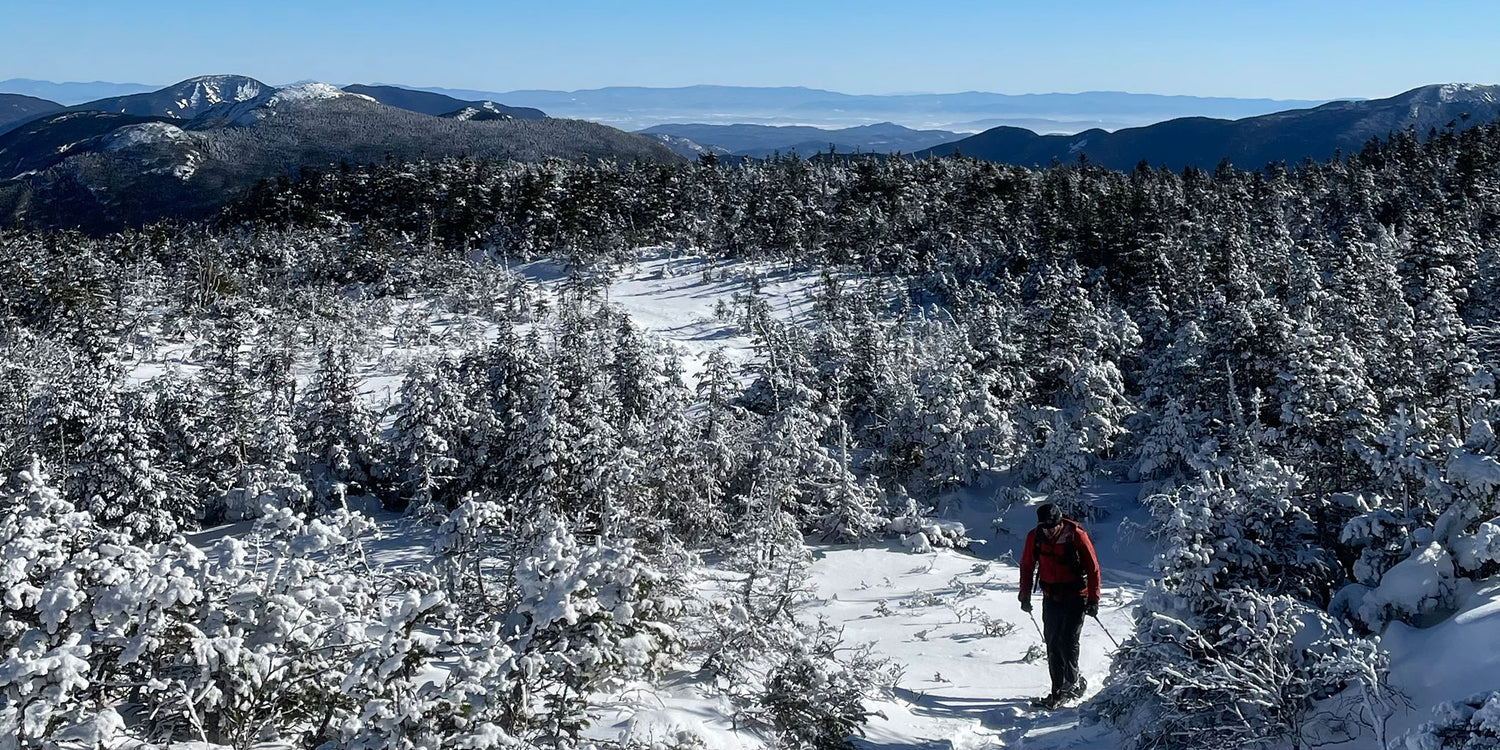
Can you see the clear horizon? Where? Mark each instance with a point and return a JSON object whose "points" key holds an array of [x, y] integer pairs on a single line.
{"points": [[1273, 50]]}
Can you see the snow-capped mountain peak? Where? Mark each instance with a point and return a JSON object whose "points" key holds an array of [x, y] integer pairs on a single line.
{"points": [[206, 91], [311, 91], [250, 111]]}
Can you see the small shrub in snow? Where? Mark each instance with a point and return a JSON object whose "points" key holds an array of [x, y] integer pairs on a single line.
{"points": [[919, 599], [991, 627], [1245, 671], [921, 534], [593, 616], [964, 589], [814, 700]]}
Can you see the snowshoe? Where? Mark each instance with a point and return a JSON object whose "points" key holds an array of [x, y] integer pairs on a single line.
{"points": [[1049, 703]]}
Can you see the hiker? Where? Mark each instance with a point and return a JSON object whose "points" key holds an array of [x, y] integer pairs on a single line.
{"points": [[1059, 552]]}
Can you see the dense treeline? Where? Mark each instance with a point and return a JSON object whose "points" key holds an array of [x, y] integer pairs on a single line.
{"points": [[1297, 365]]}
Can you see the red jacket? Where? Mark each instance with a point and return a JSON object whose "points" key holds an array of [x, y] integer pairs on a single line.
{"points": [[1062, 572]]}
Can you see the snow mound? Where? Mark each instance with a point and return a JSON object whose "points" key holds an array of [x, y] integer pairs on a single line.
{"points": [[1418, 590], [1474, 720], [1472, 551], [677, 727], [921, 535], [1479, 472], [1454, 660]]}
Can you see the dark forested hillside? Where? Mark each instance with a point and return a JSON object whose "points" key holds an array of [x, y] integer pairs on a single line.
{"points": [[429, 103], [101, 171], [16, 109], [1298, 366], [1250, 143]]}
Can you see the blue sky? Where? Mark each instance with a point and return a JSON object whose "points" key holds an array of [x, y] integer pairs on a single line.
{"points": [[1313, 49]]}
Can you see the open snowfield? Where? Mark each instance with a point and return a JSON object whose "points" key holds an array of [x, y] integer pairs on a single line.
{"points": [[667, 295]]}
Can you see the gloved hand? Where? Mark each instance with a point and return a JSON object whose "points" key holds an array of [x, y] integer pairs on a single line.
{"points": [[1092, 608], [1025, 605]]}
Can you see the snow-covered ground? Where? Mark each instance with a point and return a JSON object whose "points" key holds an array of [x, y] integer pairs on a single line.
{"points": [[1450, 661], [961, 687], [927, 612], [666, 295]]}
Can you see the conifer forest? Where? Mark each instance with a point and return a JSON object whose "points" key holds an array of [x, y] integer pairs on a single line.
{"points": [[381, 458]]}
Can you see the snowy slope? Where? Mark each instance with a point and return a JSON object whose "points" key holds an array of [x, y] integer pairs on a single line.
{"points": [[948, 619], [964, 688], [666, 295], [925, 612]]}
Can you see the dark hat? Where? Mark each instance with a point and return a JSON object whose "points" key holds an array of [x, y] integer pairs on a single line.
{"points": [[1048, 514]]}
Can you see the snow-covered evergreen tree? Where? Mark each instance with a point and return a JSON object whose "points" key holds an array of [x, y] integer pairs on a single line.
{"points": [[430, 420], [1227, 651], [114, 472], [591, 616], [849, 507], [1171, 453], [337, 436]]}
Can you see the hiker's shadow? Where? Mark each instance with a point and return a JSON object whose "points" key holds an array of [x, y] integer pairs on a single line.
{"points": [[992, 713], [1011, 719]]}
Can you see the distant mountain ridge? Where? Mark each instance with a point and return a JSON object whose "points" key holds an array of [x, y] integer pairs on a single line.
{"points": [[18, 108], [102, 170], [763, 140], [440, 105], [72, 92], [639, 107], [1251, 142]]}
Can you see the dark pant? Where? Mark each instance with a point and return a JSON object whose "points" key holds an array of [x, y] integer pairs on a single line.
{"points": [[1062, 625]]}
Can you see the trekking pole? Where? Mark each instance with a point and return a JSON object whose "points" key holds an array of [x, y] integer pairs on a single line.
{"points": [[1038, 627], [1106, 631]]}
